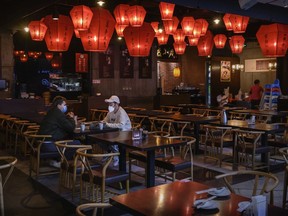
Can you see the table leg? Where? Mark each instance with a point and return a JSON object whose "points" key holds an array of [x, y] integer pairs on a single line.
{"points": [[150, 170], [264, 157], [196, 135], [122, 158]]}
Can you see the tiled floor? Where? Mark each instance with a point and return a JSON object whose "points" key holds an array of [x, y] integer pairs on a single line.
{"points": [[28, 196]]}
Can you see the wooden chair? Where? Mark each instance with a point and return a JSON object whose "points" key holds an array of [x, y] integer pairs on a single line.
{"points": [[7, 164], [100, 176], [216, 139], [178, 162], [284, 152], [262, 182], [83, 209], [247, 147], [278, 141]]}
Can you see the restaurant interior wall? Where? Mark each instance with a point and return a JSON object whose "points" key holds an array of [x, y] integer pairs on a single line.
{"points": [[282, 73]]}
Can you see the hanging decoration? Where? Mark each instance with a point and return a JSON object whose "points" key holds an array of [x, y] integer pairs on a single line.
{"points": [[187, 25], [119, 29], [273, 39], [77, 35], [37, 30], [139, 39], [227, 22], [81, 16], [49, 55], [237, 43], [162, 38], [179, 36], [120, 14], [239, 23], [205, 44], [197, 29], [176, 72], [166, 10], [179, 48], [204, 26], [100, 32], [18, 52], [24, 57], [59, 33], [170, 26], [56, 62], [220, 41], [155, 27], [193, 41], [136, 15]]}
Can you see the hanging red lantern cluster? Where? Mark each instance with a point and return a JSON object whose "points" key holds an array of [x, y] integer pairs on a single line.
{"points": [[170, 26], [220, 41], [18, 52], [155, 27], [81, 16], [193, 41], [205, 44], [56, 62], [187, 25], [59, 33], [227, 22], [49, 55], [139, 39], [166, 10], [179, 36], [101, 29], [37, 30], [237, 43], [179, 48], [204, 26], [24, 57], [239, 23], [273, 39], [121, 17], [162, 38], [119, 29], [136, 15]]}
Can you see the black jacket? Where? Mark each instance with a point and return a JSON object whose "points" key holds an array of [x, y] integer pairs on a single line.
{"points": [[57, 124]]}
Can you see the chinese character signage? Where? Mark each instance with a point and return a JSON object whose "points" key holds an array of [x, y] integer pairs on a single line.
{"points": [[81, 63]]}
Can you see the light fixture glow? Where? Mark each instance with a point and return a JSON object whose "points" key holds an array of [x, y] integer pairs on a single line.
{"points": [[100, 3]]}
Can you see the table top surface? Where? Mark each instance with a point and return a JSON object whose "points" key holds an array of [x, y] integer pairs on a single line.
{"points": [[261, 112], [124, 138], [190, 118]]}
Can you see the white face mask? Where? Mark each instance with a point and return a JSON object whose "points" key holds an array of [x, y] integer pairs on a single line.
{"points": [[111, 108]]}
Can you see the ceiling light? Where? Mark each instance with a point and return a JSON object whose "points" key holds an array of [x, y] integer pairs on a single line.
{"points": [[119, 38], [216, 21], [55, 15], [26, 29], [100, 3]]}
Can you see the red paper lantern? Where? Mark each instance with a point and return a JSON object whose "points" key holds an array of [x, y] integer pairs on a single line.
{"points": [[162, 38], [120, 14], [179, 36], [204, 26], [179, 48], [139, 39], [18, 52], [197, 29], [119, 29], [56, 62], [273, 39], [187, 25], [136, 15], [37, 30], [227, 22], [193, 41], [220, 40], [81, 16], [237, 43], [24, 58], [49, 55], [31, 53], [101, 29], [170, 26], [77, 35], [166, 10], [155, 27], [239, 23], [59, 33], [205, 44]]}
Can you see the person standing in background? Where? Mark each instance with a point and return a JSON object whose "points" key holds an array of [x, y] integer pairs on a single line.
{"points": [[256, 92]]}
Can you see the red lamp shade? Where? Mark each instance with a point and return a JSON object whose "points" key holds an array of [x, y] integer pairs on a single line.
{"points": [[77, 35], [170, 26], [139, 39], [179, 48], [24, 58], [204, 26], [273, 39], [179, 36], [120, 14], [18, 52], [187, 25], [205, 44], [136, 15], [81, 16], [49, 55], [227, 22], [237, 43], [220, 41], [37, 30], [102, 26], [197, 29], [119, 29], [162, 38], [31, 54], [56, 62], [193, 41], [155, 27], [59, 33], [239, 23], [166, 10]]}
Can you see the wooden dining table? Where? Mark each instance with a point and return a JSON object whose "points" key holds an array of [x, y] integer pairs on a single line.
{"points": [[177, 198], [124, 140]]}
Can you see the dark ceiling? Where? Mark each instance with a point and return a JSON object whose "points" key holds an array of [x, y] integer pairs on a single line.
{"points": [[18, 13]]}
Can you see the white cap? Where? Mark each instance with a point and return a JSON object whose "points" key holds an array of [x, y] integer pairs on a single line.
{"points": [[112, 99]]}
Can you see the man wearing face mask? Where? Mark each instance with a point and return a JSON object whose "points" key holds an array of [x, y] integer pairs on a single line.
{"points": [[116, 118]]}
